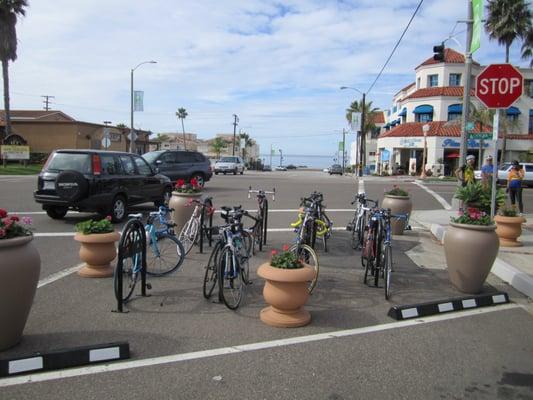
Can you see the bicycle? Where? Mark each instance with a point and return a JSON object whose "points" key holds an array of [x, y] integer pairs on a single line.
{"points": [[357, 226], [195, 229], [321, 226], [259, 229]]}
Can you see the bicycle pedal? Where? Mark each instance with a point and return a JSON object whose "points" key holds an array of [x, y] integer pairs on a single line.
{"points": [[149, 286]]}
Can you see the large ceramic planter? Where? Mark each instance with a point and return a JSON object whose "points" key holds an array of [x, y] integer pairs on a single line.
{"points": [[286, 292], [20, 266], [182, 211], [398, 205], [509, 230], [97, 250], [470, 251]]}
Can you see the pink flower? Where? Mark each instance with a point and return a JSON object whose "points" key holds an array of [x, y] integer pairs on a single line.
{"points": [[7, 222], [2, 232], [27, 220], [109, 218], [285, 247], [15, 218], [3, 213], [274, 252]]}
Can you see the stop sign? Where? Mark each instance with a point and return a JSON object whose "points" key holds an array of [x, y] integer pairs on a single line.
{"points": [[499, 85]]}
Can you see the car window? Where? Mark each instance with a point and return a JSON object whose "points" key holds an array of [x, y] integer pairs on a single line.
{"points": [[142, 166], [110, 165], [529, 168], [168, 158], [199, 157], [127, 165], [228, 159], [184, 157], [80, 162], [151, 156]]}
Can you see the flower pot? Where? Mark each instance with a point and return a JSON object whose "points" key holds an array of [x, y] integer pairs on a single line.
{"points": [[97, 250], [398, 205], [470, 251], [182, 212], [286, 292], [20, 265], [509, 230]]}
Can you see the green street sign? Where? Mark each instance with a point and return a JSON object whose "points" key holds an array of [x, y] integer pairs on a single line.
{"points": [[479, 136], [341, 146], [477, 8]]}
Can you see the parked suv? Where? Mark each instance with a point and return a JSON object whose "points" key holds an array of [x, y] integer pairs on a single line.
{"points": [[503, 172], [102, 181], [180, 164], [229, 164]]}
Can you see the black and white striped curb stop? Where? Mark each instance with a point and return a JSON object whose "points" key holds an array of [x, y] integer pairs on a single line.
{"points": [[65, 358], [444, 306]]}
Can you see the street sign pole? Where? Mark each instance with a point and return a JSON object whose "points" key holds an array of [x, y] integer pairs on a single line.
{"points": [[495, 129]]}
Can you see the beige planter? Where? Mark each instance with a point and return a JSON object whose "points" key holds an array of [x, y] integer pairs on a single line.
{"points": [[286, 292], [398, 205], [20, 265], [97, 250], [470, 251], [509, 230], [182, 212]]}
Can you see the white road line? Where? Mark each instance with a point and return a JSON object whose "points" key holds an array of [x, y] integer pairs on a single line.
{"points": [[361, 188], [437, 197], [58, 275], [27, 212], [196, 355]]}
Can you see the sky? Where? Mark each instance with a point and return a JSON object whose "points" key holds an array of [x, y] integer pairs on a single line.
{"points": [[278, 65]]}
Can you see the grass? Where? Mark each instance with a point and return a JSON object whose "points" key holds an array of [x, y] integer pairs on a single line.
{"points": [[18, 169]]}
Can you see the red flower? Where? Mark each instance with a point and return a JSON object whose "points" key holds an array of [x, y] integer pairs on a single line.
{"points": [[285, 247], [2, 232], [274, 252], [180, 183], [109, 218], [194, 182], [15, 218], [3, 213]]}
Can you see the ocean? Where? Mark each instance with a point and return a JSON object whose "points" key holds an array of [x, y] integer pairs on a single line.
{"points": [[310, 161]]}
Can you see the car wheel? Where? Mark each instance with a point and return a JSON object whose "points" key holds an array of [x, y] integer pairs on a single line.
{"points": [[224, 173], [56, 212], [242, 172], [216, 173], [118, 209], [199, 179], [235, 171]]}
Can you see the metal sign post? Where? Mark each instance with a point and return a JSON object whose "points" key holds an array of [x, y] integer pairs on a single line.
{"points": [[495, 129]]}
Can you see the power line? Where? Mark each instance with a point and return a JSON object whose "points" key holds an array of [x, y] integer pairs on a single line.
{"points": [[395, 47]]}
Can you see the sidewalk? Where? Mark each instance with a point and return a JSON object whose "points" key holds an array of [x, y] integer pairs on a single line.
{"points": [[513, 264]]}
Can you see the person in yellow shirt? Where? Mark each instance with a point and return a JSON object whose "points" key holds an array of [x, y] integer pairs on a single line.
{"points": [[466, 173], [514, 185]]}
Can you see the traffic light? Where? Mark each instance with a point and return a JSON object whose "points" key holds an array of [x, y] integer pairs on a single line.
{"points": [[439, 53]]}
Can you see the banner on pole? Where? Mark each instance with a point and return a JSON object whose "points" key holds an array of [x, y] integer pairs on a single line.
{"points": [[273, 151], [356, 121], [477, 8], [341, 146], [138, 100]]}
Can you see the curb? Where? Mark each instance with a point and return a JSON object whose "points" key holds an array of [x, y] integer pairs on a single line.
{"points": [[448, 305], [65, 358]]}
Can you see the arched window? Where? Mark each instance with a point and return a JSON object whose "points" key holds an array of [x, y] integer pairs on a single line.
{"points": [[454, 112], [423, 113]]}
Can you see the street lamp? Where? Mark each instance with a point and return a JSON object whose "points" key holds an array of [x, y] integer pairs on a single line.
{"points": [[425, 129], [132, 133], [362, 138], [280, 158]]}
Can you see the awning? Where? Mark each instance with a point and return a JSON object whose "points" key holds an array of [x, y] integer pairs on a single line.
{"points": [[393, 123], [425, 109], [531, 113], [455, 109], [399, 121], [452, 155], [387, 125], [403, 113], [513, 111]]}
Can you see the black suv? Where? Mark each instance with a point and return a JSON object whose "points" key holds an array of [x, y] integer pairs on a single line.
{"points": [[103, 181], [181, 164]]}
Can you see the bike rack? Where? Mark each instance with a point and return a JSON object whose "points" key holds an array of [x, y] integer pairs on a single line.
{"points": [[132, 241]]}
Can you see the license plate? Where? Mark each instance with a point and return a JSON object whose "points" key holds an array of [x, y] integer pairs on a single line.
{"points": [[49, 185]]}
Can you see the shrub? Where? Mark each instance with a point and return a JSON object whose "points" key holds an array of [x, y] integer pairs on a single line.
{"points": [[91, 226], [285, 259]]}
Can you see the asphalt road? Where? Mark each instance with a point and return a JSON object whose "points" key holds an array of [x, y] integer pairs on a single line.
{"points": [[186, 347]]}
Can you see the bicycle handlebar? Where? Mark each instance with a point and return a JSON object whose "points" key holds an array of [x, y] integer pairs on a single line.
{"points": [[262, 193]]}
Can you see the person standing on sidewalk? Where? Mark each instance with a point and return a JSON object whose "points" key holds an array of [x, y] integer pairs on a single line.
{"points": [[487, 171], [466, 173], [514, 185]]}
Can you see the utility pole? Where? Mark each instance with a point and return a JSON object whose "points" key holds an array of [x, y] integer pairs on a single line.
{"points": [[362, 160], [271, 150], [47, 101], [235, 123], [343, 146], [466, 94]]}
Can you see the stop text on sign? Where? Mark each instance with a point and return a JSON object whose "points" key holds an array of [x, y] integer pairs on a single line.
{"points": [[500, 85]]}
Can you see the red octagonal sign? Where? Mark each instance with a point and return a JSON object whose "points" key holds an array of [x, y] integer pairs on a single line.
{"points": [[499, 85]]}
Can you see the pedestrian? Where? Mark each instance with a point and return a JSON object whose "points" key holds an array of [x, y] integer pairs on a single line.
{"points": [[486, 171], [514, 185], [466, 173]]}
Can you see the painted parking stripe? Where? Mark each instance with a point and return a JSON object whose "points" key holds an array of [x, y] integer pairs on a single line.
{"points": [[176, 358], [437, 197], [58, 275]]}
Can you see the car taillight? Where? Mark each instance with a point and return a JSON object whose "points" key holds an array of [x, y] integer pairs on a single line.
{"points": [[97, 166]]}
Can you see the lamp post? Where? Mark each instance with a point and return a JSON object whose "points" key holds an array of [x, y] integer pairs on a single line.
{"points": [[280, 158], [132, 133], [235, 123], [362, 139], [425, 129]]}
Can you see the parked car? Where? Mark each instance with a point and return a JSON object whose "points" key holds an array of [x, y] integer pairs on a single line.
{"points": [[280, 168], [335, 169], [180, 164], [290, 166], [503, 171], [229, 164], [267, 168], [103, 181]]}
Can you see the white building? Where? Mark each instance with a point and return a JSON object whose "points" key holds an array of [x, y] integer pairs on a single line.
{"points": [[435, 98]]}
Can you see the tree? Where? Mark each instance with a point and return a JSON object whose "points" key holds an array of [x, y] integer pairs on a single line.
{"points": [[182, 114], [369, 112], [218, 145], [248, 142], [527, 47], [10, 10], [161, 137], [507, 21]]}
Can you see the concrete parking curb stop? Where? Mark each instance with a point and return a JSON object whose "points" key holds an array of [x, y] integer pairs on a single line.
{"points": [[65, 358], [448, 305]]}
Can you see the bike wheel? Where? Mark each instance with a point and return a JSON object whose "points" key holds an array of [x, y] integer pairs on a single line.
{"points": [[189, 234], [165, 256], [258, 237], [361, 230], [230, 279], [378, 267], [309, 256], [124, 287], [210, 276], [387, 270]]}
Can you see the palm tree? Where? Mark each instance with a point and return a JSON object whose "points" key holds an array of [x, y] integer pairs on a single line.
{"points": [[182, 114], [10, 10], [507, 21], [483, 117], [369, 126], [527, 47], [218, 145]]}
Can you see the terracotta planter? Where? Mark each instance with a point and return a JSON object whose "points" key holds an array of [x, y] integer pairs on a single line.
{"points": [[97, 250], [20, 265], [182, 213], [398, 205], [286, 292], [470, 251], [509, 230]]}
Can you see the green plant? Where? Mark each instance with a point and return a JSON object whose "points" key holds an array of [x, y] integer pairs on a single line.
{"points": [[472, 216], [507, 212], [479, 195], [91, 226], [191, 187], [11, 226], [397, 191], [285, 259]]}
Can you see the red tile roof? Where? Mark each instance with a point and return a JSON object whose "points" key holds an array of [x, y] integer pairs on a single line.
{"points": [[450, 57], [453, 91], [378, 117], [405, 88]]}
